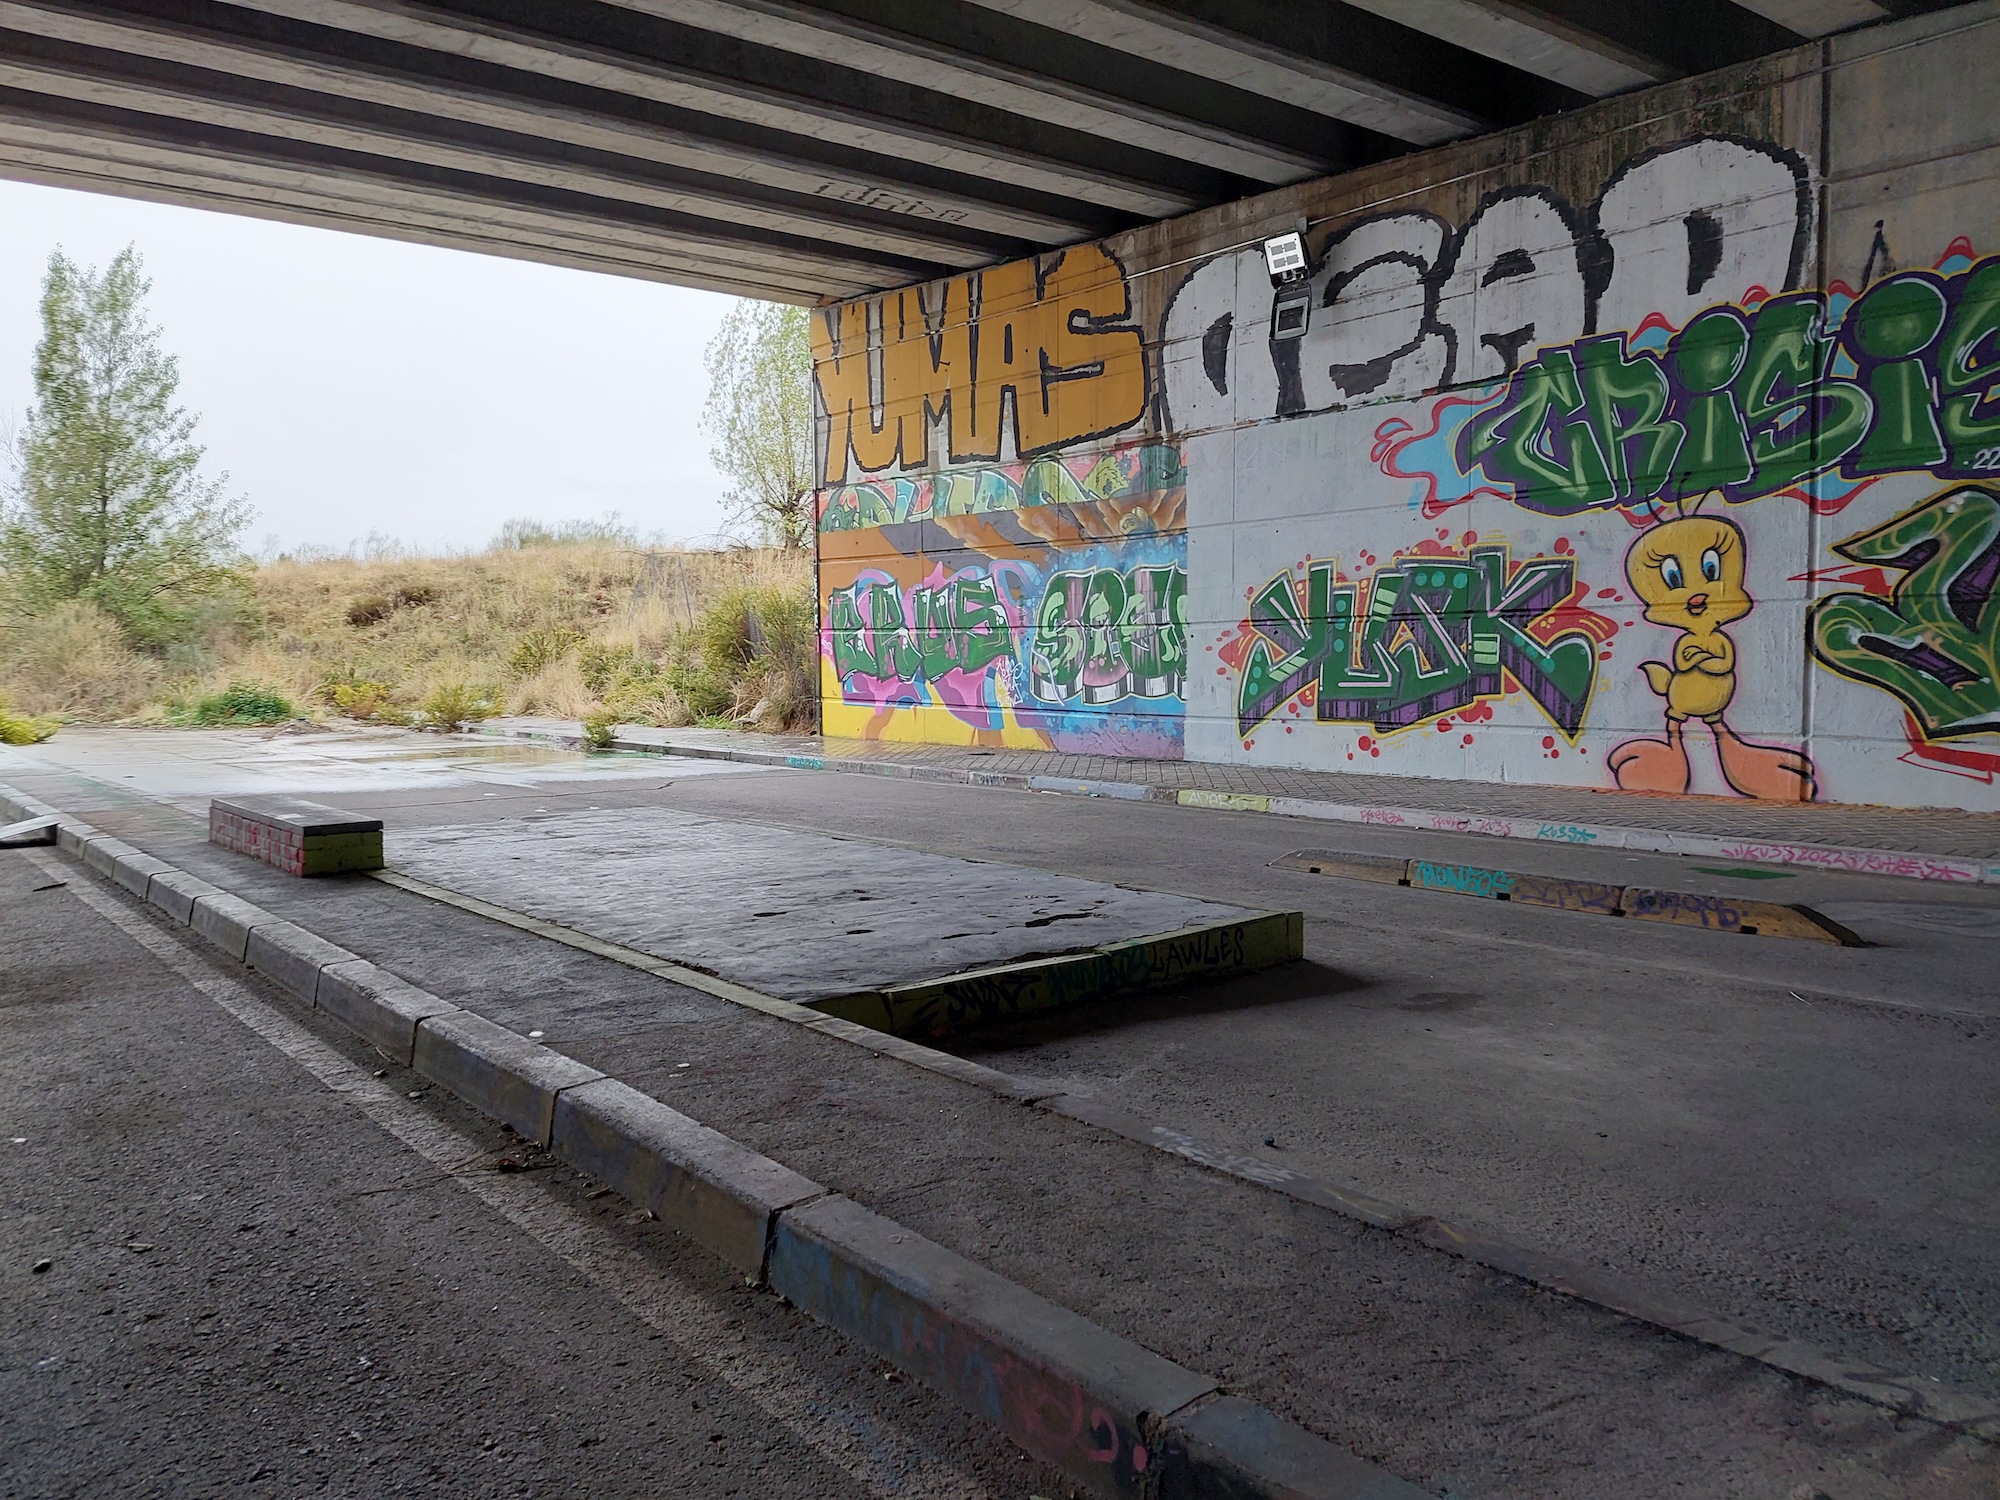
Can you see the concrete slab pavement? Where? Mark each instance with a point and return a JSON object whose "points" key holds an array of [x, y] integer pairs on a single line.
{"points": [[803, 916], [1928, 844]]}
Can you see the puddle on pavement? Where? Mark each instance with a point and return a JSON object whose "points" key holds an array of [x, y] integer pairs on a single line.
{"points": [[185, 767]]}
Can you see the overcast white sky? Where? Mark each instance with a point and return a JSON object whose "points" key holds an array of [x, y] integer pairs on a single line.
{"points": [[351, 385]]}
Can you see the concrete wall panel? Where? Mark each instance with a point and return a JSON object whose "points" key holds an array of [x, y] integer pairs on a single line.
{"points": [[1648, 447]]}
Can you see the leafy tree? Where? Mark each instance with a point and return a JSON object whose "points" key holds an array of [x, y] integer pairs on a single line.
{"points": [[759, 415], [107, 504]]}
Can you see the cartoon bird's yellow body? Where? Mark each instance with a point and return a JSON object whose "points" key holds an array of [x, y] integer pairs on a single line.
{"points": [[1702, 679], [1690, 574]]}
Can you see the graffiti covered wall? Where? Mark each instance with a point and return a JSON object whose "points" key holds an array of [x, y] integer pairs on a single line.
{"points": [[1656, 447]]}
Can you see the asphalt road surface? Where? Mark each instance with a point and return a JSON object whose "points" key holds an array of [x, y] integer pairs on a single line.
{"points": [[239, 1255]]}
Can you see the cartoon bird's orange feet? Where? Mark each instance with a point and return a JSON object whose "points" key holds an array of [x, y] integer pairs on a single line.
{"points": [[1768, 771], [1651, 765]]}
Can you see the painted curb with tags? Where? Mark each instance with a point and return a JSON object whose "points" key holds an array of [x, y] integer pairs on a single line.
{"points": [[1726, 914]]}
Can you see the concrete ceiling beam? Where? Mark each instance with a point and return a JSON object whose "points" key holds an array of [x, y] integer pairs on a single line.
{"points": [[1185, 39], [413, 92], [715, 198], [1816, 18], [386, 190], [82, 173], [896, 137], [922, 63]]}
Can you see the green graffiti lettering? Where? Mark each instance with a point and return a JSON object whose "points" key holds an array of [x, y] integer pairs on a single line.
{"points": [[1782, 390], [1753, 403], [1627, 403], [1529, 441], [1706, 359], [1969, 371], [1102, 636], [1935, 641], [1435, 635]]}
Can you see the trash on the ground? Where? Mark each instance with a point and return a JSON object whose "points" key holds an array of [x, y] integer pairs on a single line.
{"points": [[42, 1265], [140, 1246]]}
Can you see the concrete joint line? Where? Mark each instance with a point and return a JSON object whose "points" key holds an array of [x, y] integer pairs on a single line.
{"points": [[993, 1347], [1909, 1394]]}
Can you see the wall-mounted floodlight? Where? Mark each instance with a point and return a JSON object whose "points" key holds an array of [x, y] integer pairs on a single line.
{"points": [[1290, 271], [1285, 258]]}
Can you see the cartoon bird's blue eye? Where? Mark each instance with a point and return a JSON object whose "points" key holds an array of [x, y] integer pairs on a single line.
{"points": [[1711, 565], [1670, 572]]}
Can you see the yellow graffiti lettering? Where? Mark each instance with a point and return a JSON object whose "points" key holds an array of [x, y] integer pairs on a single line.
{"points": [[1055, 332], [840, 366]]}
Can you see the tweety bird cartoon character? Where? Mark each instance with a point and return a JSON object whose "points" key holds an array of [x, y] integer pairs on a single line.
{"points": [[1689, 572]]}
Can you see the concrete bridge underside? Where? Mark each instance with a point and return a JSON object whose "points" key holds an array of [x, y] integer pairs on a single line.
{"points": [[804, 152]]}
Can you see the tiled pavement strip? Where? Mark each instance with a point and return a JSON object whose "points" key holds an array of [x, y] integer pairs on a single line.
{"points": [[1937, 832]]}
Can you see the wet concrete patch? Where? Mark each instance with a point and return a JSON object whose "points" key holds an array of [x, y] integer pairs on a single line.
{"points": [[799, 915]]}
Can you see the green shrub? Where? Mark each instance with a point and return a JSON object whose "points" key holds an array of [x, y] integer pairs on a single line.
{"points": [[362, 699], [242, 703], [605, 668], [599, 727], [542, 648], [450, 706], [752, 657], [21, 730]]}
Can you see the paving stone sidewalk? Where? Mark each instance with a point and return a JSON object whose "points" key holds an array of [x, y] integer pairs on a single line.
{"points": [[1935, 831]]}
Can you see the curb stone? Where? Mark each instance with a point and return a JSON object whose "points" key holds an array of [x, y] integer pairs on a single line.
{"points": [[376, 1006], [716, 1191], [289, 954], [992, 1346], [496, 1070], [1862, 861]]}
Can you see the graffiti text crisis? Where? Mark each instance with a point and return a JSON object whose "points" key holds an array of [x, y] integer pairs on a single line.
{"points": [[1751, 404]]}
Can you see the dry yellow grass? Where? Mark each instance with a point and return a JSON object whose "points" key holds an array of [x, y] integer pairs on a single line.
{"points": [[561, 629]]}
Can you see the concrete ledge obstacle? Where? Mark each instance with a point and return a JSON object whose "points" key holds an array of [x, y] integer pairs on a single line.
{"points": [[297, 836], [1735, 914], [1212, 950]]}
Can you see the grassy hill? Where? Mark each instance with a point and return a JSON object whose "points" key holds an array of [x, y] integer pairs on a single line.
{"points": [[641, 635]]}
